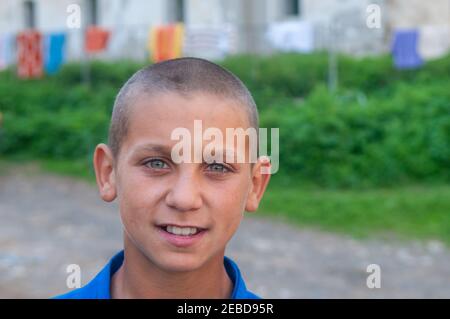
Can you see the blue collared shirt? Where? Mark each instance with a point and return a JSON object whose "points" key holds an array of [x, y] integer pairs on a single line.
{"points": [[99, 287]]}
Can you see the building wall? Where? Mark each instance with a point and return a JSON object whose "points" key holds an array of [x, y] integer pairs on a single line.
{"points": [[430, 18], [412, 13], [130, 23], [340, 23], [129, 20]]}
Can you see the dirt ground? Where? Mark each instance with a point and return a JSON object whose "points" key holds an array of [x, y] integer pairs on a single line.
{"points": [[48, 222]]}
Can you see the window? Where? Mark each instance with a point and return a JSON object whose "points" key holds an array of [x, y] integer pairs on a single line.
{"points": [[179, 11], [92, 9], [292, 7], [30, 14]]}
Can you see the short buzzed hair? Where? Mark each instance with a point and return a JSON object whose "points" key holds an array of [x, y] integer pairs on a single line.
{"points": [[183, 76]]}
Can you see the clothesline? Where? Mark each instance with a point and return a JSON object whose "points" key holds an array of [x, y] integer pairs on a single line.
{"points": [[36, 52]]}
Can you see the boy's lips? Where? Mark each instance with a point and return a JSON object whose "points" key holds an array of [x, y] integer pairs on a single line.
{"points": [[181, 235], [180, 226]]}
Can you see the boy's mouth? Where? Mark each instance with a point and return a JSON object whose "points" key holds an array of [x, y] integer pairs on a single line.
{"points": [[181, 230], [181, 236]]}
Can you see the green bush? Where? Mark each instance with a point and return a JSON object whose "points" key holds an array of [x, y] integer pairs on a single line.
{"points": [[381, 127], [332, 141]]}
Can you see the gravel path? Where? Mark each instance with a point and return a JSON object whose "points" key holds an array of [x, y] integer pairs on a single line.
{"points": [[48, 222]]}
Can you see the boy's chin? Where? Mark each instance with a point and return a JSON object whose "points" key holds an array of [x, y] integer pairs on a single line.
{"points": [[180, 262]]}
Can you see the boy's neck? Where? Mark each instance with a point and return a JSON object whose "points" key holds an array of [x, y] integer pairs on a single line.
{"points": [[139, 278]]}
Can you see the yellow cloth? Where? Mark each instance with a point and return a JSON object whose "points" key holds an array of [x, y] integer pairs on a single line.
{"points": [[166, 42]]}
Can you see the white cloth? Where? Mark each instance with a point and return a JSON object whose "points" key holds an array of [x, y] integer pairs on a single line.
{"points": [[434, 40], [291, 36], [210, 42]]}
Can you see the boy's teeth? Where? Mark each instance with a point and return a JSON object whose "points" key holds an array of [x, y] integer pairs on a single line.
{"points": [[183, 231]]}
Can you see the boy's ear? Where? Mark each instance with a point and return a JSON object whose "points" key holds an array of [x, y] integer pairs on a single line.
{"points": [[104, 172], [260, 180]]}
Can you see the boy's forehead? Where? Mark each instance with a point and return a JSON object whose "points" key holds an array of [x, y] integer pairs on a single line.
{"points": [[157, 116], [153, 120]]}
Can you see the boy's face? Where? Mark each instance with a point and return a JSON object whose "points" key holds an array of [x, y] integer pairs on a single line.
{"points": [[153, 191]]}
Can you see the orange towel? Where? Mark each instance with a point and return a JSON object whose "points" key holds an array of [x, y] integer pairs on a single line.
{"points": [[166, 42], [96, 39]]}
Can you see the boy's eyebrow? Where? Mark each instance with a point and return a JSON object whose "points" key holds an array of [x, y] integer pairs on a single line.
{"points": [[153, 148]]}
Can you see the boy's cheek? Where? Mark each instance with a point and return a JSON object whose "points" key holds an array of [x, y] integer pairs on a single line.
{"points": [[133, 190], [130, 216], [136, 204]]}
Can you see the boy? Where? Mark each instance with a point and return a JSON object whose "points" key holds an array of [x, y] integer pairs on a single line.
{"points": [[177, 216]]}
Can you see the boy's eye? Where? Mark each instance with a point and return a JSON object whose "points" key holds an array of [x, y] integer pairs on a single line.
{"points": [[218, 168], [156, 164]]}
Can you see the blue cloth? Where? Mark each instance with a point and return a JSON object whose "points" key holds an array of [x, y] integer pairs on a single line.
{"points": [[404, 49], [54, 52], [99, 287]]}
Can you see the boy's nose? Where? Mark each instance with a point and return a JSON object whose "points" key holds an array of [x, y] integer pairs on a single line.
{"points": [[185, 194]]}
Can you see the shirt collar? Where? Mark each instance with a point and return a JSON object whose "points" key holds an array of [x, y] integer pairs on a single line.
{"points": [[99, 287]]}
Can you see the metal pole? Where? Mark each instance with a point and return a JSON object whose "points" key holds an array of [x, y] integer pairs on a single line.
{"points": [[85, 67], [332, 58]]}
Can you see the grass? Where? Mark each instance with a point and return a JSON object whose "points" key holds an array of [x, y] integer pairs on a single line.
{"points": [[76, 168], [79, 169], [407, 212], [419, 212]]}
